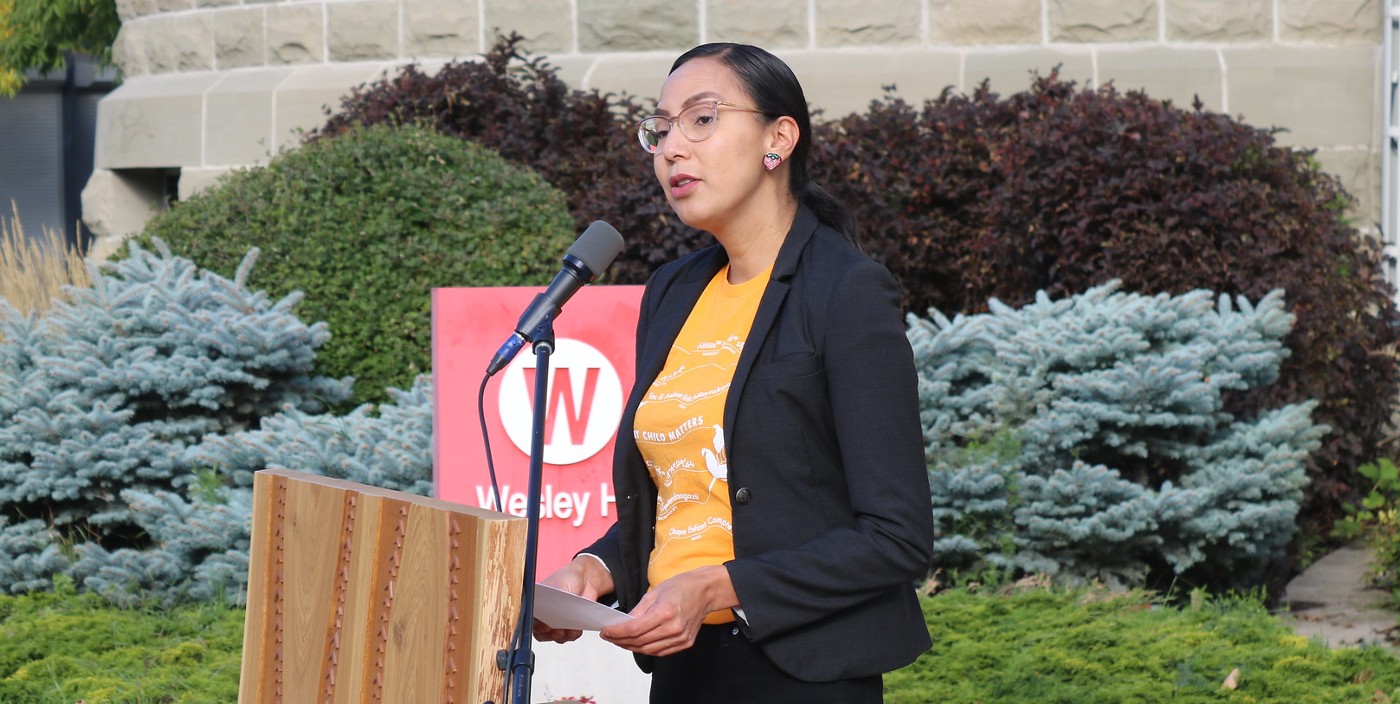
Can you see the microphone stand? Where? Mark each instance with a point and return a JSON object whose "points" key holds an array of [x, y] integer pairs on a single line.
{"points": [[522, 661]]}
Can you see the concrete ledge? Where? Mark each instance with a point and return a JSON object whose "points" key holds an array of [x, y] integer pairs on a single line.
{"points": [[301, 100], [640, 76], [239, 112], [1324, 96], [840, 83], [153, 122], [221, 118], [194, 180], [1010, 71], [1174, 74]]}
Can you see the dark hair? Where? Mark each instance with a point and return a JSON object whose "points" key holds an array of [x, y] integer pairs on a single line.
{"points": [[775, 90]]}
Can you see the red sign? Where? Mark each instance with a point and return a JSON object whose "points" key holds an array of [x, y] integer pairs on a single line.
{"points": [[591, 374]]}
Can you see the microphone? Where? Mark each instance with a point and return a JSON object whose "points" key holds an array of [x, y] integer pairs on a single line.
{"points": [[589, 256]]}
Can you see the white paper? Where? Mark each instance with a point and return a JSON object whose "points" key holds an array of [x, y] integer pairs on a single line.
{"points": [[559, 609]]}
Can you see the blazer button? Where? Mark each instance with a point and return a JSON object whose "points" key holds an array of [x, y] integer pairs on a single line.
{"points": [[743, 495]]}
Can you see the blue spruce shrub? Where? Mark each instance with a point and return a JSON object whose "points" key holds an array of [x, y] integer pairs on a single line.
{"points": [[104, 394], [1088, 437], [202, 535]]}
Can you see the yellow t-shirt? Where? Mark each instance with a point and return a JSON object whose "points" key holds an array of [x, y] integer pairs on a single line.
{"points": [[679, 430]]}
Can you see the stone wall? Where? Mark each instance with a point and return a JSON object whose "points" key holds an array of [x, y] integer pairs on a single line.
{"points": [[212, 84]]}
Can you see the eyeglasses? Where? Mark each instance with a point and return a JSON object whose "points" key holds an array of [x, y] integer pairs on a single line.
{"points": [[697, 123]]}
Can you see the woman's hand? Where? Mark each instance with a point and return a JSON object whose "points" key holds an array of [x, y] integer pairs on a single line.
{"points": [[585, 576], [667, 619]]}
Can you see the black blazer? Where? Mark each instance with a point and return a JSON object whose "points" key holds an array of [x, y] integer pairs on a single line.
{"points": [[832, 517]]}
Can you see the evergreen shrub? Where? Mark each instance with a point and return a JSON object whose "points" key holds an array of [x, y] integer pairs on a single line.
{"points": [[202, 535], [583, 142], [973, 197], [1088, 437], [366, 225], [103, 394]]}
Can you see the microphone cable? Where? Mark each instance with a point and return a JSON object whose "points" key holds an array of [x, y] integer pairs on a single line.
{"points": [[496, 497]]}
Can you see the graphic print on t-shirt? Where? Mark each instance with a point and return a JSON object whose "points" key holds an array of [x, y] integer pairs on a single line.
{"points": [[679, 429]]}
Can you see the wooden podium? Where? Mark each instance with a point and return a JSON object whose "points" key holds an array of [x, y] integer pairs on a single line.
{"points": [[358, 594]]}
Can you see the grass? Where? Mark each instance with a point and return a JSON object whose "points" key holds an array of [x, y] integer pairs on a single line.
{"points": [[33, 271], [1032, 645]]}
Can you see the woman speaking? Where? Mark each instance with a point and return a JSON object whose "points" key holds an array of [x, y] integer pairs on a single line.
{"points": [[773, 503]]}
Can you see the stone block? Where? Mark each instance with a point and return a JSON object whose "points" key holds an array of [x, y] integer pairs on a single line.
{"points": [[1322, 96], [1213, 21], [875, 22], [115, 207], [174, 5], [362, 31], [1010, 72], [1342, 21], [296, 34], [178, 43], [161, 56], [839, 84], [217, 3], [301, 100], [617, 25], [442, 28], [152, 122], [986, 22], [196, 179], [239, 38], [238, 116], [1178, 74], [547, 25], [1082, 21], [774, 25], [128, 10], [1360, 172], [128, 51]]}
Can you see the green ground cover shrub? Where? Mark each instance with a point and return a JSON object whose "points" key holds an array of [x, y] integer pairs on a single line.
{"points": [[1089, 647], [1009, 646], [365, 225], [63, 647]]}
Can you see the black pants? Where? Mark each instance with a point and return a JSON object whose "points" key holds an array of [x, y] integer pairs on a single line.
{"points": [[723, 667]]}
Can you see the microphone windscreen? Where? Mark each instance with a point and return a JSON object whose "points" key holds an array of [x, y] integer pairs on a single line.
{"points": [[597, 247]]}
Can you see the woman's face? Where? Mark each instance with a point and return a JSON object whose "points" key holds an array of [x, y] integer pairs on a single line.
{"points": [[716, 181]]}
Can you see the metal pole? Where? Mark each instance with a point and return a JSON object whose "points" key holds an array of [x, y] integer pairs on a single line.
{"points": [[1390, 221]]}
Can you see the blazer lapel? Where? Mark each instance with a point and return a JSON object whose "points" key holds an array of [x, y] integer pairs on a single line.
{"points": [[803, 226]]}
